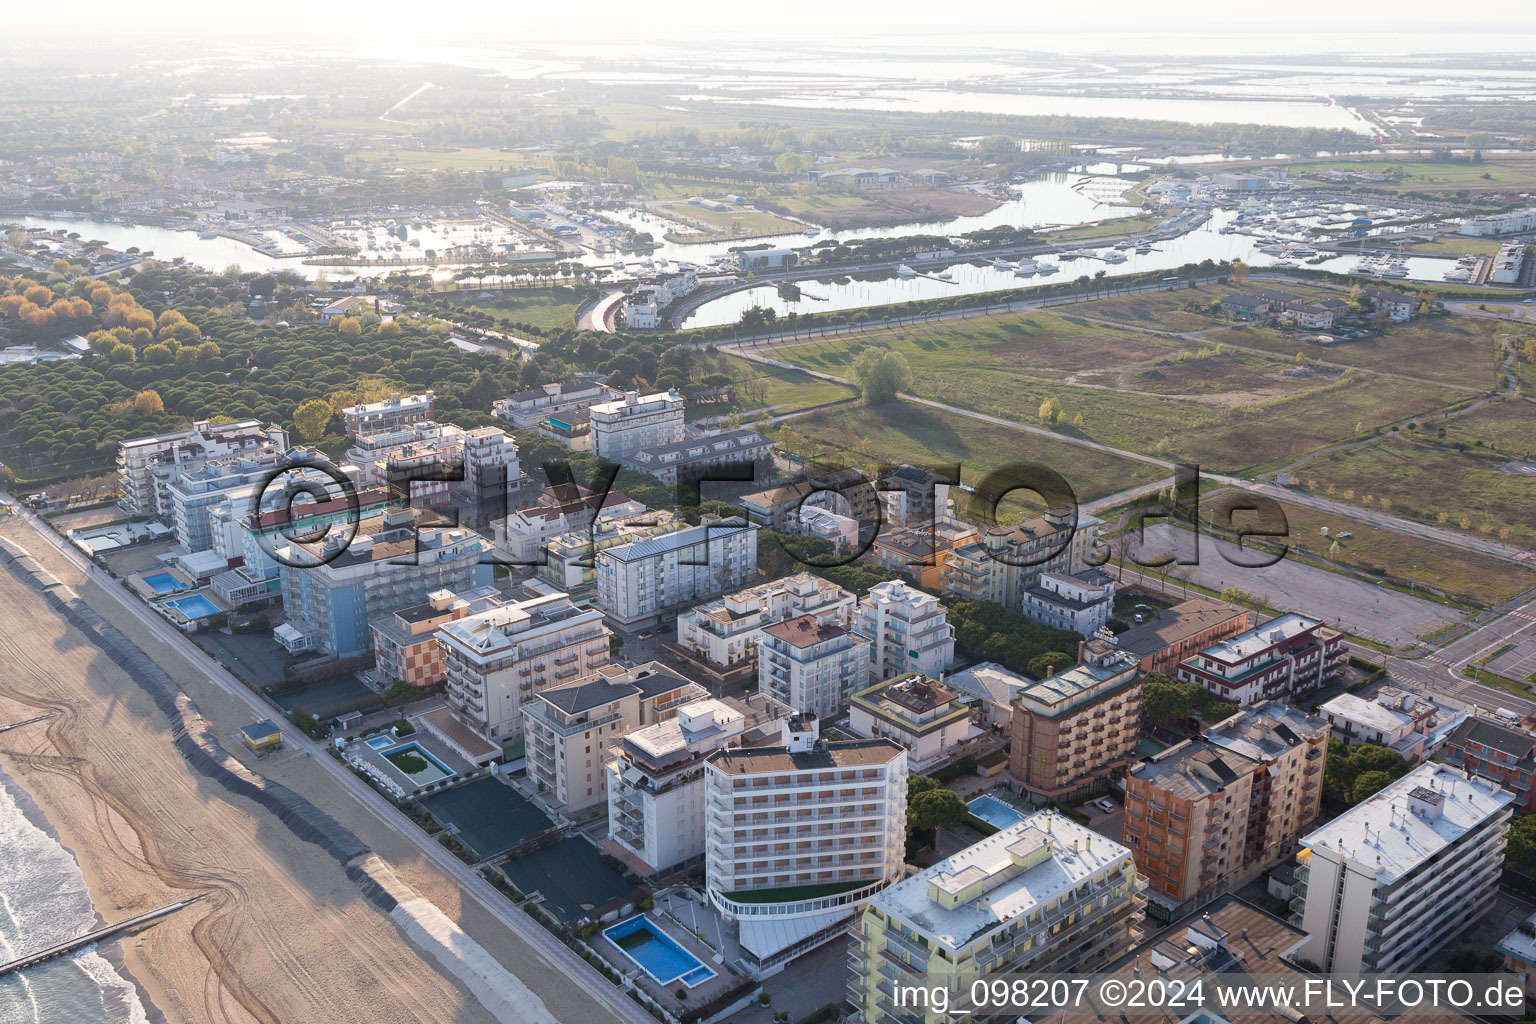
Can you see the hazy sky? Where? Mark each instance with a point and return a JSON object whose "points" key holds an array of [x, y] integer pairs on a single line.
{"points": [[991, 22]]}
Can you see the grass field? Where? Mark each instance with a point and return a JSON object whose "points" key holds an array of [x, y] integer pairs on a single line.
{"points": [[1425, 176], [1451, 349], [1467, 576], [1508, 426], [783, 390], [900, 432], [1462, 491], [548, 308], [1106, 229], [1223, 409], [1456, 245], [737, 222], [1163, 310]]}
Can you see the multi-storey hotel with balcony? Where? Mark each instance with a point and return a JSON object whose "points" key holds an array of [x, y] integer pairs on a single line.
{"points": [[568, 731], [623, 427], [497, 660], [527, 409], [1006, 561], [393, 412], [146, 466], [921, 714], [656, 777], [798, 836], [908, 631], [722, 633], [1288, 657], [1071, 730], [1209, 814], [1044, 895], [639, 582], [811, 663], [1396, 877]]}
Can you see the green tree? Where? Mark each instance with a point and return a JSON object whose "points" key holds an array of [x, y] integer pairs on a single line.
{"points": [[1163, 702], [1368, 784], [311, 418], [1043, 665], [934, 809], [882, 374]]}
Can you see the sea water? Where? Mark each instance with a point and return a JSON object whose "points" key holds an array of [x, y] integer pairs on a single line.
{"points": [[44, 900]]}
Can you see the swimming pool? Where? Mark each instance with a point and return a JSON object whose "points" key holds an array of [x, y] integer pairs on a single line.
{"points": [[434, 770], [194, 606], [380, 742], [994, 812], [163, 583], [657, 953]]}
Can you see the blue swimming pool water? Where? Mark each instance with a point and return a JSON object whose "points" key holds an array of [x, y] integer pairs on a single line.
{"points": [[194, 606], [657, 953], [380, 742], [163, 583], [994, 812]]}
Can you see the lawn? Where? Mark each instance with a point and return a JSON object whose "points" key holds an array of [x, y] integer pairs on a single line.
{"points": [[736, 222], [1446, 348], [1112, 228], [1463, 575], [1463, 491], [1226, 410], [1163, 310], [1427, 176], [1508, 426], [783, 390], [548, 308], [900, 432], [1456, 245]]}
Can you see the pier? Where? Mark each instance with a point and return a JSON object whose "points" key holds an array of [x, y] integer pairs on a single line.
{"points": [[111, 931]]}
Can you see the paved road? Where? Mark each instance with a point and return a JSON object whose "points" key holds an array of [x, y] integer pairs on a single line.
{"points": [[552, 954]]}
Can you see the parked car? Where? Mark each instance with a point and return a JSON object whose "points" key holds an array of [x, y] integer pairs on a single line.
{"points": [[1105, 805]]}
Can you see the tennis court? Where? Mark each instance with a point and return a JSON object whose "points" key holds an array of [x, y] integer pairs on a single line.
{"points": [[571, 875], [490, 815]]}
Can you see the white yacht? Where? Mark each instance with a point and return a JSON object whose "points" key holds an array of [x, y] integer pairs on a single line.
{"points": [[1002, 264], [1026, 267], [1111, 256], [905, 271], [1047, 268]]}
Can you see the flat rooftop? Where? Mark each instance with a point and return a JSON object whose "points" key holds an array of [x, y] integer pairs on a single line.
{"points": [[825, 754], [1391, 829], [1016, 893]]}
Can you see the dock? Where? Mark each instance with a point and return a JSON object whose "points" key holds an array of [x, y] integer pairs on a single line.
{"points": [[111, 931]]}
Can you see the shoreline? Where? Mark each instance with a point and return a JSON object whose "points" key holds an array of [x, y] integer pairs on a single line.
{"points": [[115, 953]]}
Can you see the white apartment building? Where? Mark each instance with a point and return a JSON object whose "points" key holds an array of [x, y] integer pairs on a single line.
{"points": [[1392, 718], [1501, 223], [568, 731], [527, 409], [1082, 603], [640, 581], [723, 633], [491, 468], [391, 413], [656, 777], [908, 631], [1507, 263], [636, 421], [1043, 895], [570, 561], [813, 663], [1395, 878], [842, 532], [523, 536], [146, 466], [496, 660], [403, 459], [922, 714], [799, 835]]}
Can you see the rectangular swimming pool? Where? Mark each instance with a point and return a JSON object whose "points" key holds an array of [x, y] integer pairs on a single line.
{"points": [[163, 583], [409, 756], [194, 606], [994, 812], [657, 953], [380, 742]]}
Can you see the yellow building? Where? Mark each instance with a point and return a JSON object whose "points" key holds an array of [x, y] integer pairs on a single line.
{"points": [[262, 736]]}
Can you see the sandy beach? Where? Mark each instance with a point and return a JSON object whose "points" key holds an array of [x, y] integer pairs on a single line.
{"points": [[284, 936]]}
